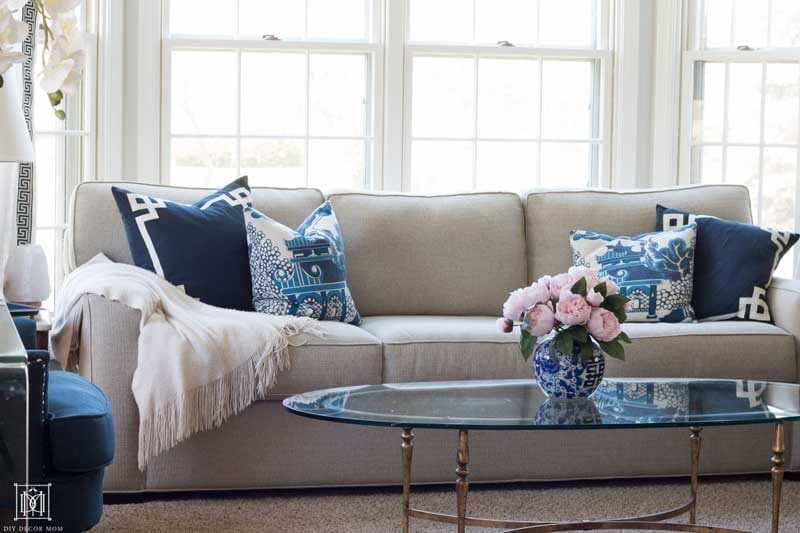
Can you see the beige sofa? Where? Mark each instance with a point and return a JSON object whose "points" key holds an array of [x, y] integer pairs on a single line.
{"points": [[429, 275]]}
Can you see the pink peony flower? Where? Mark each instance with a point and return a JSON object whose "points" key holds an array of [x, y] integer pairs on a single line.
{"points": [[523, 299], [560, 282], [572, 309], [514, 306], [544, 281], [541, 320], [603, 325], [591, 275], [535, 294], [611, 287], [594, 297], [505, 325]]}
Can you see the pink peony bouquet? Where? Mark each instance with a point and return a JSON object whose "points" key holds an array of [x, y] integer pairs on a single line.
{"points": [[580, 306]]}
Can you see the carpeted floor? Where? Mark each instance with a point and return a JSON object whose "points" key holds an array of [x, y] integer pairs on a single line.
{"points": [[741, 503]]}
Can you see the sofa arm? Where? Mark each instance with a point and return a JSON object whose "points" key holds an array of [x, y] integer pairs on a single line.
{"points": [[108, 354], [783, 298]]}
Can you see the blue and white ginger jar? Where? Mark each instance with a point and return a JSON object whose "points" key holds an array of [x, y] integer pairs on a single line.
{"points": [[564, 376]]}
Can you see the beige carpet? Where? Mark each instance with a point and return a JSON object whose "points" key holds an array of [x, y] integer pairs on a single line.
{"points": [[742, 503]]}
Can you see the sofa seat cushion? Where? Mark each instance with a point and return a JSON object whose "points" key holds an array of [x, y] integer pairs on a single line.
{"points": [[346, 355], [81, 428], [425, 348], [431, 348], [737, 350]]}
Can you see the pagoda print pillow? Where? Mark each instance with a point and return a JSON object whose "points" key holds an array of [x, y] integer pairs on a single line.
{"points": [[299, 272], [654, 270]]}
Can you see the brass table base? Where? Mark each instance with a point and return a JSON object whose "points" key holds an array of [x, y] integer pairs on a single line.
{"points": [[653, 522]]}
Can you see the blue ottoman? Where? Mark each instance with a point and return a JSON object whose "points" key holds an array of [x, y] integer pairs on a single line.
{"points": [[81, 443]]}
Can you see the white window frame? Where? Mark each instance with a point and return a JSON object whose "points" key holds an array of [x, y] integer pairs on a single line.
{"points": [[80, 158], [599, 173], [373, 139]]}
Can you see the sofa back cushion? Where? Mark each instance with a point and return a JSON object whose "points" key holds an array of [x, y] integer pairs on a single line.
{"points": [[96, 226], [437, 255], [551, 215]]}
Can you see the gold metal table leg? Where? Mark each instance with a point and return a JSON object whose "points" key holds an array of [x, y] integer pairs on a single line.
{"points": [[408, 450], [777, 475], [696, 440], [462, 485]]}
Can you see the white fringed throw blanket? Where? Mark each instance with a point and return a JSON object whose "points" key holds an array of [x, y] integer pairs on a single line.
{"points": [[197, 365]]}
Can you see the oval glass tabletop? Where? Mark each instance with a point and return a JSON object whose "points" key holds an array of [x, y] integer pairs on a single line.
{"points": [[520, 404]]}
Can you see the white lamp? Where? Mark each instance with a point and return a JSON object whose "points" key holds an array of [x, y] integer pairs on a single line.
{"points": [[15, 147], [15, 142]]}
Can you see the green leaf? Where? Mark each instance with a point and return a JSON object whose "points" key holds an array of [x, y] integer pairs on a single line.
{"points": [[624, 337], [613, 349], [616, 304], [527, 343], [579, 287], [579, 333], [601, 288], [587, 350], [564, 342], [55, 98]]}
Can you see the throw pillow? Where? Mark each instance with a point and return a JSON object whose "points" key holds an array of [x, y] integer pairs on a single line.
{"points": [[654, 270], [734, 264], [300, 272], [201, 247]]}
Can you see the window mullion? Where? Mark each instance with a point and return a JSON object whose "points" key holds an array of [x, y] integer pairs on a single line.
{"points": [[476, 67], [308, 105], [726, 100], [539, 134], [761, 125]]}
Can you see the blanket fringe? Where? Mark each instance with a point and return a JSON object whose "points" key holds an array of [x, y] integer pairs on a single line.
{"points": [[208, 406]]}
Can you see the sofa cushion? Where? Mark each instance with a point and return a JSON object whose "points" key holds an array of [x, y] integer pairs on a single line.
{"points": [[437, 348], [550, 215], [653, 270], [735, 350], [95, 224], [734, 264], [346, 355], [428, 348], [201, 247], [299, 272], [81, 429], [432, 255]]}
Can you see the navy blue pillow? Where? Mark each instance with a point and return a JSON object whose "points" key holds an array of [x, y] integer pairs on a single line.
{"points": [[202, 246], [733, 264]]}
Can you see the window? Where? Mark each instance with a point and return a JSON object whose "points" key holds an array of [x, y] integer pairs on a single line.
{"points": [[64, 156], [284, 91], [293, 93], [506, 94], [742, 104]]}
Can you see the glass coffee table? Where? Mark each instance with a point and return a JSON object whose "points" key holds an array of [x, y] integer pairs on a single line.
{"points": [[507, 405]]}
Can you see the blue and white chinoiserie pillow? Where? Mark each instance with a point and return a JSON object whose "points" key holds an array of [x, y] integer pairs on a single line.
{"points": [[300, 272], [734, 264], [202, 247], [654, 270]]}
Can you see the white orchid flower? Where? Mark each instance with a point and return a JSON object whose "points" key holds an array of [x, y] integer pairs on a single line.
{"points": [[56, 69], [13, 5], [12, 31], [8, 59], [67, 57], [56, 7]]}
